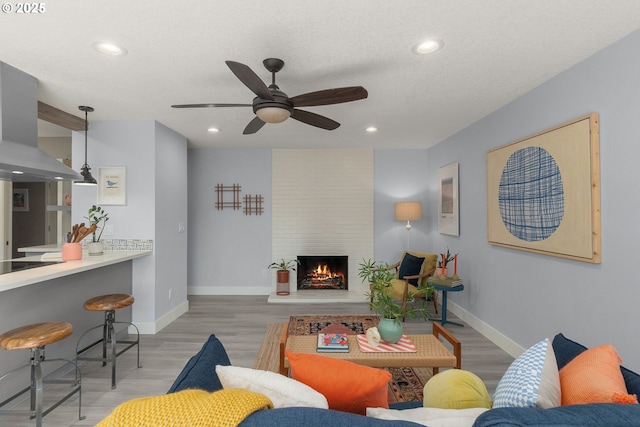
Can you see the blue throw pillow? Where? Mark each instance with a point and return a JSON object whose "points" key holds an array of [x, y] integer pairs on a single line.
{"points": [[410, 266], [200, 370], [565, 350]]}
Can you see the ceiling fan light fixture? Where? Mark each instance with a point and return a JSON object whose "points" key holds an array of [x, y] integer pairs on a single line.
{"points": [[273, 114], [428, 46]]}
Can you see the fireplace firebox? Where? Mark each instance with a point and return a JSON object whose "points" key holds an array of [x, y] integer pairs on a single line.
{"points": [[323, 272]]}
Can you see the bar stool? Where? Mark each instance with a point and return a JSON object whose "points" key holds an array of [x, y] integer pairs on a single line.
{"points": [[109, 304], [34, 338]]}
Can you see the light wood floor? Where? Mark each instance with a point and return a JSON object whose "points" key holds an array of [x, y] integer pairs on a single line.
{"points": [[239, 322]]}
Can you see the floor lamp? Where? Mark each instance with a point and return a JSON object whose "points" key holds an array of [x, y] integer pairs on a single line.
{"points": [[408, 211]]}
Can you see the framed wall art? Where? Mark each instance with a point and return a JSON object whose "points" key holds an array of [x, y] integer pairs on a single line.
{"points": [[448, 221], [112, 186], [21, 199], [543, 192]]}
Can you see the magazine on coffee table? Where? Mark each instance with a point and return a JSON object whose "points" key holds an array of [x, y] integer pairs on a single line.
{"points": [[333, 343]]}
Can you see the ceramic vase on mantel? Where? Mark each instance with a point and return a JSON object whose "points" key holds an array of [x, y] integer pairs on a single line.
{"points": [[390, 330], [282, 282], [95, 248]]}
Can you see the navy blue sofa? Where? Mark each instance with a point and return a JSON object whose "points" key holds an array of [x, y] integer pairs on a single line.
{"points": [[199, 372]]}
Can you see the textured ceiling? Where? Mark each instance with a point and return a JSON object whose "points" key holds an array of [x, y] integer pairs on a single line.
{"points": [[495, 51]]}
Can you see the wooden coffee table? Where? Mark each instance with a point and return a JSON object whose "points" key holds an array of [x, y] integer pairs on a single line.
{"points": [[432, 353]]}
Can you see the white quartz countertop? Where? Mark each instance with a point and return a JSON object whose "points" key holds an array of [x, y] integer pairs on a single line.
{"points": [[42, 248], [40, 274]]}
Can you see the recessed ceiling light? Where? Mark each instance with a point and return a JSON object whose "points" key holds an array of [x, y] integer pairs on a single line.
{"points": [[428, 46], [213, 130], [372, 129], [109, 48], [59, 178], [17, 172]]}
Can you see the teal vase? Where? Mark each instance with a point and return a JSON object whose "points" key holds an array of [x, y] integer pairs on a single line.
{"points": [[390, 330]]}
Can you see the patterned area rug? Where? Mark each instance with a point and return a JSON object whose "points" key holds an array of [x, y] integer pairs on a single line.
{"points": [[406, 384]]}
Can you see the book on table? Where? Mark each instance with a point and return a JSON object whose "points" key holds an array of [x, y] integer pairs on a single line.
{"points": [[328, 343]]}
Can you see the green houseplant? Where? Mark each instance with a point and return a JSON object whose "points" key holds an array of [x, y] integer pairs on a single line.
{"points": [[97, 216], [282, 274], [379, 276]]}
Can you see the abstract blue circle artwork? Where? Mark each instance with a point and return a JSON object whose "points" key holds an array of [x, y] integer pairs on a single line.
{"points": [[531, 194]]}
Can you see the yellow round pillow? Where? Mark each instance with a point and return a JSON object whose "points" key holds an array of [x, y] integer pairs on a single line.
{"points": [[456, 389]]}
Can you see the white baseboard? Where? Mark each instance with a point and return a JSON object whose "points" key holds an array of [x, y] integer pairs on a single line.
{"points": [[151, 328], [506, 344], [228, 290]]}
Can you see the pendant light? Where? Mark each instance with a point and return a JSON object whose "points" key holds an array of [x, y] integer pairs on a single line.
{"points": [[85, 171]]}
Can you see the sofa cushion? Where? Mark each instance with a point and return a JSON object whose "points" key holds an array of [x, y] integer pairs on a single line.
{"points": [[282, 391], [188, 408], [566, 349], [456, 389], [314, 417], [593, 415], [594, 376], [431, 417], [347, 386], [410, 265], [200, 370], [531, 380]]}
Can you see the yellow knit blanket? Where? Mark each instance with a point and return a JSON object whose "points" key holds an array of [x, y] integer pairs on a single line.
{"points": [[188, 408]]}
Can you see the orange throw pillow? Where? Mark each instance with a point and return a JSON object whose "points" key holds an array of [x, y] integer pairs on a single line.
{"points": [[347, 386], [594, 376]]}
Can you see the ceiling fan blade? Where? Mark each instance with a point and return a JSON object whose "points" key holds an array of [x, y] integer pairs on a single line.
{"points": [[250, 79], [209, 105], [329, 96], [254, 126], [314, 119]]}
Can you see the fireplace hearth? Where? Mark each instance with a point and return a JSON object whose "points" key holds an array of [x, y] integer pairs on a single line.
{"points": [[323, 272]]}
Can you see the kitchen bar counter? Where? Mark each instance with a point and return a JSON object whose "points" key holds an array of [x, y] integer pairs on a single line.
{"points": [[18, 279], [56, 293]]}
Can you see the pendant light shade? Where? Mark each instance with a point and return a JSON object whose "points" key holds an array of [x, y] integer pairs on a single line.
{"points": [[85, 170]]}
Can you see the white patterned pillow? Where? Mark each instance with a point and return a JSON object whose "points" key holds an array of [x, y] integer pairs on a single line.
{"points": [[283, 391], [531, 380]]}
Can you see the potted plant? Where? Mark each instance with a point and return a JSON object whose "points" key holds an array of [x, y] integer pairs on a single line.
{"points": [[379, 275], [282, 274], [96, 216], [442, 264]]}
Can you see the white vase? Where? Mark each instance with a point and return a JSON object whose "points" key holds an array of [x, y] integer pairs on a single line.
{"points": [[95, 248]]}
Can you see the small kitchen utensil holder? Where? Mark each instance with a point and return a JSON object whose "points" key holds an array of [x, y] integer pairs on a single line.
{"points": [[71, 251]]}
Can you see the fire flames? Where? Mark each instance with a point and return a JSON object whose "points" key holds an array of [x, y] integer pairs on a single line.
{"points": [[323, 272]]}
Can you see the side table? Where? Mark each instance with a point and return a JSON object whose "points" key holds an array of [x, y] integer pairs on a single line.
{"points": [[445, 286]]}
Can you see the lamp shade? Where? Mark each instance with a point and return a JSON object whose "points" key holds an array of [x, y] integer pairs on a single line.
{"points": [[408, 211]]}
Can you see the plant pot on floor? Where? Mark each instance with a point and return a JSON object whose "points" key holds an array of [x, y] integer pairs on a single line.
{"points": [[95, 248], [282, 282]]}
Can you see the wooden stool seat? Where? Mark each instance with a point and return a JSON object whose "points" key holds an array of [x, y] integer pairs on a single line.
{"points": [[35, 335], [108, 302], [34, 338]]}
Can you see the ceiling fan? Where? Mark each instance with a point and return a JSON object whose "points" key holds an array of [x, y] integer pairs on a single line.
{"points": [[271, 105]]}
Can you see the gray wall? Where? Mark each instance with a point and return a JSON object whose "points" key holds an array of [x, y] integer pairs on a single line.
{"points": [[156, 164], [523, 296], [399, 176], [228, 249]]}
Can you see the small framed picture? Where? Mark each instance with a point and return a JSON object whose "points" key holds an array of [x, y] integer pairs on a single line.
{"points": [[448, 221], [112, 186], [21, 199]]}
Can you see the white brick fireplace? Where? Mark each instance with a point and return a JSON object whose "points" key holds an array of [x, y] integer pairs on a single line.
{"points": [[323, 205]]}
